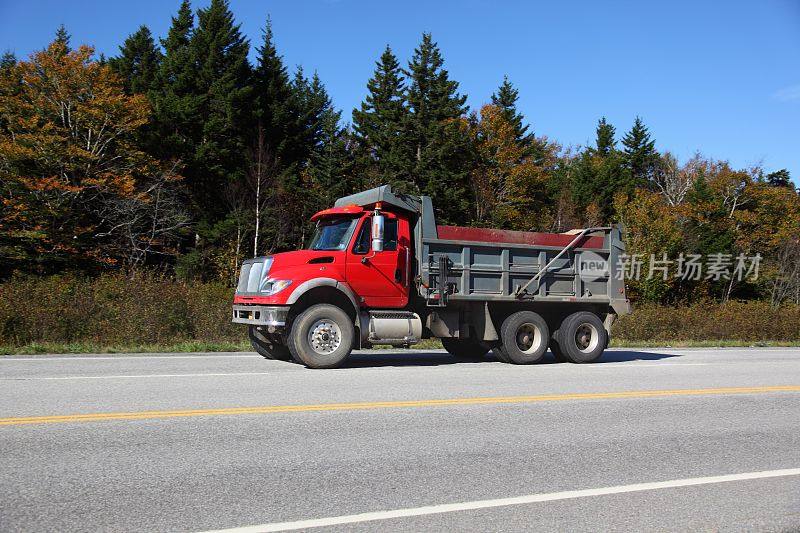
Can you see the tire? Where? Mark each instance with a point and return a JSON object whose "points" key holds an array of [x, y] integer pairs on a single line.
{"points": [[500, 354], [465, 349], [555, 349], [525, 337], [582, 337], [265, 346], [321, 337]]}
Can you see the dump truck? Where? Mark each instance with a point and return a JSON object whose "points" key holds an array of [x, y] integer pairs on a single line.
{"points": [[378, 270]]}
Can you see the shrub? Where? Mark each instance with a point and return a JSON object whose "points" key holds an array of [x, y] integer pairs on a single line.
{"points": [[710, 321], [115, 310]]}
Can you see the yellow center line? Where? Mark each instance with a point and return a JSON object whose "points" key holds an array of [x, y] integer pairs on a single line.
{"points": [[355, 406]]}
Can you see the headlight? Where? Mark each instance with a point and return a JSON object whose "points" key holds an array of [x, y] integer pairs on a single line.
{"points": [[274, 286]]}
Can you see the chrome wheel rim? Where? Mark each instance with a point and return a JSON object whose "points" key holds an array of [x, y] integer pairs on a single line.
{"points": [[325, 337], [587, 337], [529, 338]]}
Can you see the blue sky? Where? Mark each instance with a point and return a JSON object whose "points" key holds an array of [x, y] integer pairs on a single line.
{"points": [[719, 77]]}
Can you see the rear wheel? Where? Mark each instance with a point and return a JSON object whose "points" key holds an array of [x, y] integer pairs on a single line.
{"points": [[266, 346], [525, 336], [322, 336], [582, 337], [555, 349], [500, 354], [465, 349]]}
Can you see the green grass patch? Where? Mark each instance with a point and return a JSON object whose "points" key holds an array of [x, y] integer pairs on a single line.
{"points": [[37, 348]]}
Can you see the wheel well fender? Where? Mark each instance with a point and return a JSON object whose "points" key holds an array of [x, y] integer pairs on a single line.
{"points": [[323, 290]]}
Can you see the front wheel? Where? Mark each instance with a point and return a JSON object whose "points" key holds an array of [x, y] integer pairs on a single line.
{"points": [[265, 347], [582, 337], [322, 336]]}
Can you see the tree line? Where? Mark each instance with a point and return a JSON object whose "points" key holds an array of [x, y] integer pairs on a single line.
{"points": [[180, 155]]}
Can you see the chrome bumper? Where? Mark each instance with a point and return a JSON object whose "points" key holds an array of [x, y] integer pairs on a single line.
{"points": [[260, 315]]}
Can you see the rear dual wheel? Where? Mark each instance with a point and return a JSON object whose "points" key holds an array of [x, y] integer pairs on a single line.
{"points": [[581, 338], [524, 338]]}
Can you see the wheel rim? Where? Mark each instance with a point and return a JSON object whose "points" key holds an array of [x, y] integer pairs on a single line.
{"points": [[529, 338], [325, 337], [587, 337]]}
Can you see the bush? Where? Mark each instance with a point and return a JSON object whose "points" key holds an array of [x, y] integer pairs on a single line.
{"points": [[114, 310], [147, 310], [710, 321]]}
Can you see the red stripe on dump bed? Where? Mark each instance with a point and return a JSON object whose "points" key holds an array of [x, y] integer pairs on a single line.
{"points": [[458, 233]]}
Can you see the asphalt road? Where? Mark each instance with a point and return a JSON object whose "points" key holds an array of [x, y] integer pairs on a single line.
{"points": [[207, 442]]}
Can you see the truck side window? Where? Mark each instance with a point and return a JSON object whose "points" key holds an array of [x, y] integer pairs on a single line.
{"points": [[389, 236]]}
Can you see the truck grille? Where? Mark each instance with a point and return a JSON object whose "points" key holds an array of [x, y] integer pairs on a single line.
{"points": [[253, 274]]}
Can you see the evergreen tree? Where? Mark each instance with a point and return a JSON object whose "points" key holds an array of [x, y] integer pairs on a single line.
{"points": [[8, 60], [63, 37], [10, 82], [598, 174], [219, 53], [138, 62], [639, 154], [506, 99], [381, 124], [605, 142], [176, 104], [779, 178], [441, 150], [274, 110], [332, 167], [180, 32]]}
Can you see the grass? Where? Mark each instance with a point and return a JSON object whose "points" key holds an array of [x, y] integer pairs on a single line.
{"points": [[427, 344], [88, 347]]}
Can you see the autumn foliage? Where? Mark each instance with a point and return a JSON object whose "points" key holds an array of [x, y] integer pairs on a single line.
{"points": [[69, 163], [185, 156]]}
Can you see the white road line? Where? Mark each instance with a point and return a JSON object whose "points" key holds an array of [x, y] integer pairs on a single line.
{"points": [[127, 376], [626, 364], [503, 502], [11, 359]]}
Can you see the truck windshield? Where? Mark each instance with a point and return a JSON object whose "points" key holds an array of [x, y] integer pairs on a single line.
{"points": [[333, 233]]}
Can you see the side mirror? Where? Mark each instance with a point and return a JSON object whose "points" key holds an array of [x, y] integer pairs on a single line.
{"points": [[377, 232]]}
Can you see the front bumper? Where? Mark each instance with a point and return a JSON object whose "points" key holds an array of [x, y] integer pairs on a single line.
{"points": [[260, 315]]}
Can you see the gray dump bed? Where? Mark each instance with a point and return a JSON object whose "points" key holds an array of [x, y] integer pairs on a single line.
{"points": [[581, 268], [491, 271]]}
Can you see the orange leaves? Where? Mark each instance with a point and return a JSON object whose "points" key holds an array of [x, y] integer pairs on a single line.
{"points": [[66, 149], [508, 180]]}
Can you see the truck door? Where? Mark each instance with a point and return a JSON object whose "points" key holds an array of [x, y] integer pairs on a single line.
{"points": [[381, 279]]}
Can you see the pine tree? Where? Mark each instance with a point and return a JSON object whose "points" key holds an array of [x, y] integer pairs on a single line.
{"points": [[441, 150], [219, 52], [8, 60], [639, 154], [10, 82], [138, 62], [381, 124], [273, 103], [506, 99], [180, 31], [176, 104], [63, 37], [332, 166], [599, 173], [605, 142], [779, 178]]}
